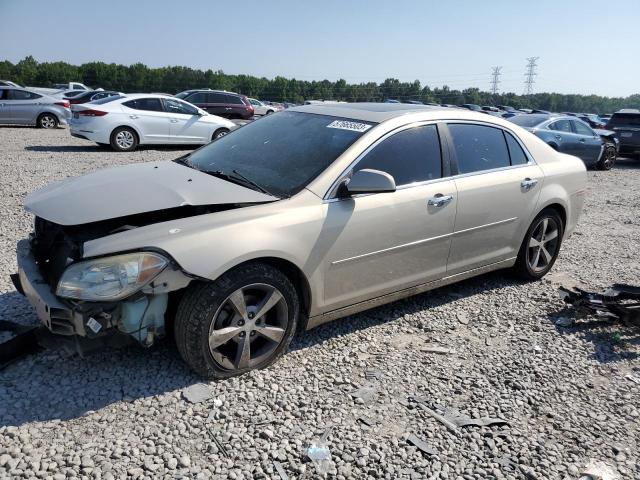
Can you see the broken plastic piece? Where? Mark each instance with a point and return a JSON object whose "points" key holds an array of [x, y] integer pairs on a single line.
{"points": [[319, 453], [421, 445], [617, 302], [437, 349], [280, 470]]}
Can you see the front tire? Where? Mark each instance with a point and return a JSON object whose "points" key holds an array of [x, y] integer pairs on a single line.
{"points": [[124, 139], [541, 246], [242, 321], [608, 157], [221, 132], [47, 121], [269, 112]]}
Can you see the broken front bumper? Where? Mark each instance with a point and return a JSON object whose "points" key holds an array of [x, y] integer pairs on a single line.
{"points": [[57, 315]]}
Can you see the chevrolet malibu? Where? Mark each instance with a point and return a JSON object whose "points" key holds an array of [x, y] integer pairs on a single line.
{"points": [[299, 218]]}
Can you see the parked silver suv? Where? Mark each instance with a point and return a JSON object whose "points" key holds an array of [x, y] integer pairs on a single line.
{"points": [[296, 219], [19, 106]]}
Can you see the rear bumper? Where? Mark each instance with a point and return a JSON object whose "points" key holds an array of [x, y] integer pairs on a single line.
{"points": [[86, 132]]}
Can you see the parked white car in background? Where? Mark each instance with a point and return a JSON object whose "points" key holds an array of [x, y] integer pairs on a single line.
{"points": [[261, 108], [124, 122]]}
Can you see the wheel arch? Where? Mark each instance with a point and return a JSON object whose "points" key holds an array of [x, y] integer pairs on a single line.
{"points": [[293, 273], [126, 125]]}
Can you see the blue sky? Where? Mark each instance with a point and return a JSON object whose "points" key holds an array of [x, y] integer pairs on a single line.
{"points": [[585, 46]]}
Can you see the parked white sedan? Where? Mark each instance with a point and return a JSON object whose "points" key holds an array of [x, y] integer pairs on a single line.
{"points": [[261, 108], [124, 122]]}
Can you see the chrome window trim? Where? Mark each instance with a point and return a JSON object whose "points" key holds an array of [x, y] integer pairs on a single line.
{"points": [[329, 196]]}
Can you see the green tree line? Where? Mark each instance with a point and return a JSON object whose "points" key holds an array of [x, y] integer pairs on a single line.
{"points": [[140, 78]]}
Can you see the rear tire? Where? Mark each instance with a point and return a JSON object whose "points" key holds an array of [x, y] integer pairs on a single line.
{"points": [[124, 139], [268, 112], [541, 246], [47, 121], [608, 157], [217, 340]]}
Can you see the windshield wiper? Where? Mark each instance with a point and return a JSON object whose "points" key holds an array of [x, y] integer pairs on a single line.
{"points": [[238, 179], [251, 182]]}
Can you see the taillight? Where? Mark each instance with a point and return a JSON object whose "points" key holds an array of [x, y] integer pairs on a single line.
{"points": [[64, 104], [92, 113]]}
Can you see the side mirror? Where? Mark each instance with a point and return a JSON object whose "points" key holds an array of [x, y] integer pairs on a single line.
{"points": [[368, 181]]}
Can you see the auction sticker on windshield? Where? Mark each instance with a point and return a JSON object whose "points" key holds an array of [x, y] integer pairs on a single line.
{"points": [[346, 125]]}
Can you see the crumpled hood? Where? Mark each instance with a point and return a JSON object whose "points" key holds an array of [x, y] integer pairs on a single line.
{"points": [[132, 189]]}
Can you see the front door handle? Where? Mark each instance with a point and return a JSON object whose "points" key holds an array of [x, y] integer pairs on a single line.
{"points": [[228, 108], [173, 120], [582, 140], [133, 116], [439, 200], [528, 183], [558, 137]]}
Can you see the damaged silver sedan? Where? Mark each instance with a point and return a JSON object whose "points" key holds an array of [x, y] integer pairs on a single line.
{"points": [[294, 220]]}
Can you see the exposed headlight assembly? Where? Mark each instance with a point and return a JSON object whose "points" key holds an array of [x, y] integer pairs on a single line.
{"points": [[110, 278]]}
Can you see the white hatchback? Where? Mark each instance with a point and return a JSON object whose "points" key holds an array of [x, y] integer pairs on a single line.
{"points": [[124, 122]]}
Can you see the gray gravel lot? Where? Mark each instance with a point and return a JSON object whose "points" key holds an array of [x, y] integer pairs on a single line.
{"points": [[569, 394]]}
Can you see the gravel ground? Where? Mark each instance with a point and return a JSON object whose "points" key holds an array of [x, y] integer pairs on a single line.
{"points": [[569, 395]]}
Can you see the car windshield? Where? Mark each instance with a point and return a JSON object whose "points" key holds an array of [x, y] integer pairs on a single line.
{"points": [[281, 153], [529, 120], [182, 94]]}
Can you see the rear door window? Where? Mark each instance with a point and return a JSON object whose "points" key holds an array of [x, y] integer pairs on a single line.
{"points": [[216, 98], [561, 126], [410, 156], [479, 147], [22, 95], [147, 104]]}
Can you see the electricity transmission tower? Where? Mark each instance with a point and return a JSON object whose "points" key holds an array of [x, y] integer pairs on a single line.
{"points": [[529, 75], [495, 79]]}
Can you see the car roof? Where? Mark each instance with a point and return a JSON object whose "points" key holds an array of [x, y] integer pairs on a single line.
{"points": [[369, 112]]}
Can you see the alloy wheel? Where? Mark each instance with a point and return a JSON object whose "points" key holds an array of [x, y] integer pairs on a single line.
{"points": [[248, 327], [221, 134], [47, 121], [543, 244], [124, 139], [609, 158]]}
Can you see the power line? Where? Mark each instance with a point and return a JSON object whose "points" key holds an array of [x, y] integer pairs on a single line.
{"points": [[529, 75], [495, 79]]}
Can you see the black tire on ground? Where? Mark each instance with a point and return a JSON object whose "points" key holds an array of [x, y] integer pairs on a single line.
{"points": [[47, 120], [268, 112], [529, 248], [608, 157], [124, 139], [221, 132], [203, 305]]}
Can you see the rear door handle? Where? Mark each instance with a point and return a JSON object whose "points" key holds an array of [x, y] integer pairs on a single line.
{"points": [[528, 183], [582, 140], [173, 120], [558, 137], [439, 200]]}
